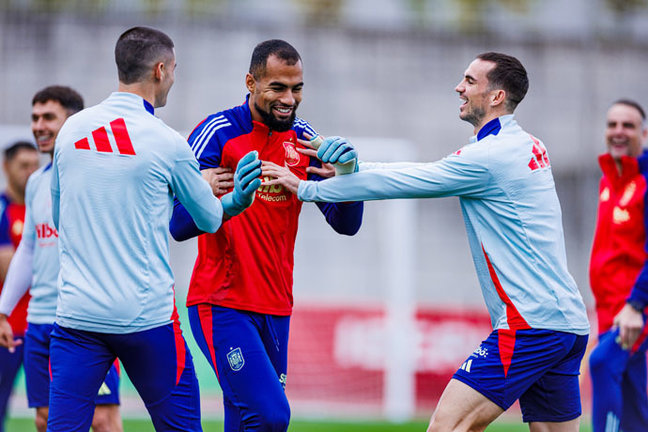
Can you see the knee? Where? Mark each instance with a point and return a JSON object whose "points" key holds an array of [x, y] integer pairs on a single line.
{"points": [[106, 419], [277, 418], [41, 420]]}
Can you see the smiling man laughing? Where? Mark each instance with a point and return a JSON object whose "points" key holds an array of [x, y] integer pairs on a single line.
{"points": [[240, 295]]}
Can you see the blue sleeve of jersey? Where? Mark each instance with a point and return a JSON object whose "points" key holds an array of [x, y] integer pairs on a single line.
{"points": [[207, 148], [5, 238], [639, 292], [182, 226], [346, 217]]}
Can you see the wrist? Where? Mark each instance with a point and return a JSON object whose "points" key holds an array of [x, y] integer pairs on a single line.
{"points": [[636, 305]]}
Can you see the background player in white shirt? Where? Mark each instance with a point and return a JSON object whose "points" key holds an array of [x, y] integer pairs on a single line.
{"points": [[514, 224], [116, 169], [36, 264]]}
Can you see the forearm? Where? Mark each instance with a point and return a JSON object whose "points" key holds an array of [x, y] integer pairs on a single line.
{"points": [[182, 226], [18, 278]]}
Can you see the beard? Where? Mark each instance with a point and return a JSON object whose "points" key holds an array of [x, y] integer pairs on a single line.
{"points": [[273, 122], [474, 116]]}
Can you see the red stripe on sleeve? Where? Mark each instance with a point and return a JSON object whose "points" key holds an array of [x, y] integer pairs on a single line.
{"points": [[124, 144], [100, 137], [513, 317], [506, 344], [82, 144]]}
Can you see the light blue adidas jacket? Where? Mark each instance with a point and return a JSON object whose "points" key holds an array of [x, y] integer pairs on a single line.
{"points": [[513, 219], [116, 169]]}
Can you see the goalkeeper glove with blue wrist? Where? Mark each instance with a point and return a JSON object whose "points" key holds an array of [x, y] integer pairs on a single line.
{"points": [[246, 182], [337, 151]]}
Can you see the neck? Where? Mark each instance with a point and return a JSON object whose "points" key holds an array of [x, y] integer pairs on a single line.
{"points": [[487, 118], [15, 195], [253, 111], [142, 89]]}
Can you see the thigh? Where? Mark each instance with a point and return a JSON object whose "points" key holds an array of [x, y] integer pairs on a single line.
{"points": [[462, 408], [275, 339], [79, 363], [555, 396], [36, 359], [160, 366], [233, 342]]}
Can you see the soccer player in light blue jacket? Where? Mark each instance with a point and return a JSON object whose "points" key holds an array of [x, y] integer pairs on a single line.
{"points": [[514, 224], [116, 169]]}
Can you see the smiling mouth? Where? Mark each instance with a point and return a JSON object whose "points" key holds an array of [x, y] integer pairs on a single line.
{"points": [[283, 110]]}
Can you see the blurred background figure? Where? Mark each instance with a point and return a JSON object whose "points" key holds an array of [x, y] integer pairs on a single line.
{"points": [[618, 274], [20, 160]]}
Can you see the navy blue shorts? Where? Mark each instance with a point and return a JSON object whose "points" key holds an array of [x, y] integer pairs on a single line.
{"points": [[538, 367], [37, 370], [157, 361], [249, 353]]}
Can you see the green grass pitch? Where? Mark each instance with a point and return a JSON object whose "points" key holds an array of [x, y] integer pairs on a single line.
{"points": [[27, 425]]}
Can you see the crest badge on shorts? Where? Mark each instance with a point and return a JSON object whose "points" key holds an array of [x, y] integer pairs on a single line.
{"points": [[235, 359], [292, 155]]}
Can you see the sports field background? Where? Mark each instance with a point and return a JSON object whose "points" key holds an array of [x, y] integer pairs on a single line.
{"points": [[24, 425], [381, 70]]}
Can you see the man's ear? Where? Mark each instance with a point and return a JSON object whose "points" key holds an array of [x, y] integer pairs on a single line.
{"points": [[159, 71], [250, 82], [498, 97]]}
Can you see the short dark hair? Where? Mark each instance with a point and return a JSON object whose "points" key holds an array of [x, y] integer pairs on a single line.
{"points": [[509, 75], [15, 148], [69, 98], [633, 104], [137, 50], [276, 47]]}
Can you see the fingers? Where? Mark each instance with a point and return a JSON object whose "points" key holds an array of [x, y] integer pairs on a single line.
{"points": [[308, 152], [332, 148], [248, 178], [326, 171], [247, 159], [252, 186]]}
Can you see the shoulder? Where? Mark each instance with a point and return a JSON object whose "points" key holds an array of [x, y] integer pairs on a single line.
{"points": [[211, 134], [301, 127]]}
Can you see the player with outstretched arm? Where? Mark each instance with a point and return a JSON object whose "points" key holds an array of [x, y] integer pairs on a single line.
{"points": [[513, 219]]}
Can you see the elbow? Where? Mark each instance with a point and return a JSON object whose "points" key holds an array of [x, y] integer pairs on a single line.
{"points": [[350, 226]]}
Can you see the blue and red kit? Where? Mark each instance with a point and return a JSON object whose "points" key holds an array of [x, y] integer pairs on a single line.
{"points": [[618, 272], [241, 285], [12, 220], [265, 233]]}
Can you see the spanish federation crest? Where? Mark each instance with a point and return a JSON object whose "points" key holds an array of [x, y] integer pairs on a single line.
{"points": [[292, 155], [235, 359]]}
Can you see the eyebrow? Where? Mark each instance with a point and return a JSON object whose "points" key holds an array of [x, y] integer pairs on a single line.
{"points": [[468, 76], [280, 84]]}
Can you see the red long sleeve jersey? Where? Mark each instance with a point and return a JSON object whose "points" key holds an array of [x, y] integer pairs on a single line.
{"points": [[12, 219], [618, 250], [248, 263]]}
